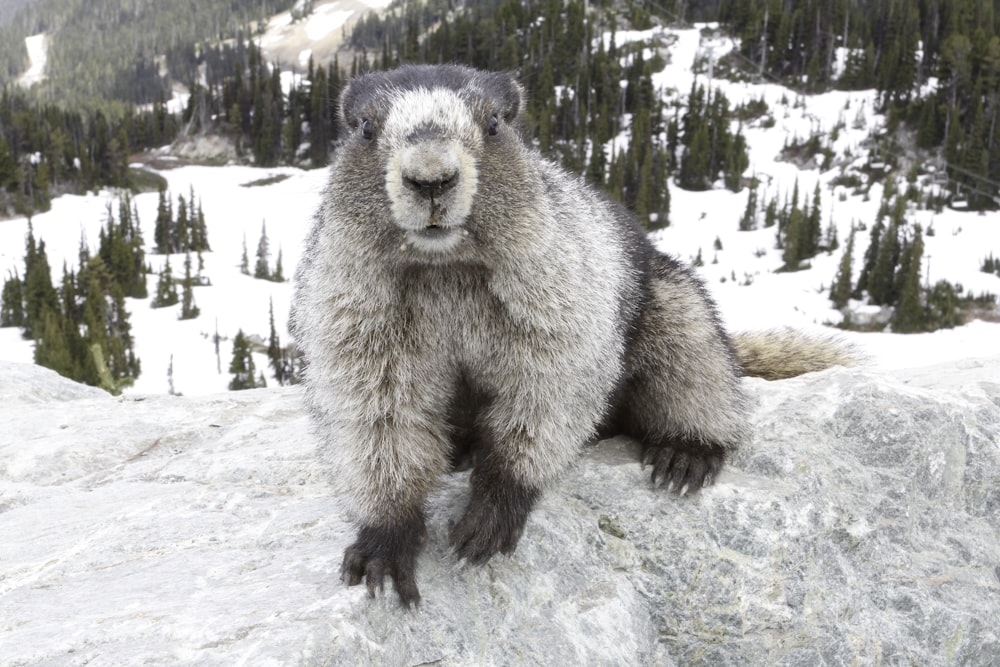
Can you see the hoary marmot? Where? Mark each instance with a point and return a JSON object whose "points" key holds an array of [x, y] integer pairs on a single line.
{"points": [[461, 293]]}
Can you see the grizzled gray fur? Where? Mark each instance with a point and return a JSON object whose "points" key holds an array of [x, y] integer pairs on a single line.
{"points": [[461, 297]]}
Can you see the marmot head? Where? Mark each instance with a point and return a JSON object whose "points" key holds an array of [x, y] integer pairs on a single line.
{"points": [[429, 130]]}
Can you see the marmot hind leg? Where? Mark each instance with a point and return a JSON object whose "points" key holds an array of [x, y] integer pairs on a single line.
{"points": [[681, 397]]}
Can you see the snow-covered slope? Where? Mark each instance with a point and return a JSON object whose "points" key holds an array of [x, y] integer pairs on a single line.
{"points": [[233, 211], [37, 55], [319, 35]]}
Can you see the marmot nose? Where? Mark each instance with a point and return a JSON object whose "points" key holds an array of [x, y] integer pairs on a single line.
{"points": [[431, 188]]}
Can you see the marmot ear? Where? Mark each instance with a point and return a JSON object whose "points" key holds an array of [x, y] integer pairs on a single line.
{"points": [[357, 97], [348, 104], [511, 93]]}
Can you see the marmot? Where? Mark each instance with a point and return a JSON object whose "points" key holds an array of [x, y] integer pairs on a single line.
{"points": [[458, 292]]}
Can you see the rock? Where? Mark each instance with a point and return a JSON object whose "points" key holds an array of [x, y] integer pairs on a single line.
{"points": [[206, 148], [861, 525]]}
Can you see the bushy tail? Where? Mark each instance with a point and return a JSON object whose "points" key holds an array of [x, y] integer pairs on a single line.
{"points": [[776, 354]]}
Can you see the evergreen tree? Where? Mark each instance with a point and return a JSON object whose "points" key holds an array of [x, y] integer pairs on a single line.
{"points": [[695, 168], [163, 231], [813, 228], [199, 231], [261, 268], [275, 355], [110, 362], [942, 306], [71, 309], [121, 249], [242, 366], [278, 275], [871, 255], [181, 241], [319, 123], [244, 259], [166, 290], [771, 213], [748, 221], [12, 303], [39, 294], [840, 293], [189, 310], [794, 240], [881, 282], [52, 346], [909, 314], [736, 161]]}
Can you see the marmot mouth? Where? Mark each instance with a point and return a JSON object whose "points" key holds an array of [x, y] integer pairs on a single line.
{"points": [[435, 238], [434, 231]]}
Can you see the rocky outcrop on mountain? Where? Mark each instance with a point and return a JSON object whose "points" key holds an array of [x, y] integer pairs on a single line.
{"points": [[861, 525]]}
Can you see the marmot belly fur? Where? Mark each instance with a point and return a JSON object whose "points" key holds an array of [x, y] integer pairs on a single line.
{"points": [[459, 292]]}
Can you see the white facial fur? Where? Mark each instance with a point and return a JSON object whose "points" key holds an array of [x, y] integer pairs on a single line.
{"points": [[431, 133]]}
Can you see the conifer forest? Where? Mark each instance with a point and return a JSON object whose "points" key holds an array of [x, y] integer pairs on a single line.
{"points": [[112, 66]]}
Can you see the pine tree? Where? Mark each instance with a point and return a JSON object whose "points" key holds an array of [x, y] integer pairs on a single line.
{"points": [[275, 354], [244, 259], [39, 293], [694, 172], [52, 347], [871, 255], [261, 268], [771, 213], [72, 313], [748, 221], [909, 314], [319, 124], [163, 232], [813, 227], [110, 361], [793, 240], [166, 290], [199, 231], [278, 275], [736, 161], [644, 193], [840, 293], [881, 282], [12, 303], [121, 249], [199, 279], [181, 227], [123, 362], [942, 306], [242, 366], [189, 310]]}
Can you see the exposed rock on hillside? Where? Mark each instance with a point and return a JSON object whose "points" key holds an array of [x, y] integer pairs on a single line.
{"points": [[862, 525]]}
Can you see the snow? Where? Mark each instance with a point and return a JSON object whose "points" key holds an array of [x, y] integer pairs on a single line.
{"points": [[37, 56], [325, 19], [233, 301], [233, 212]]}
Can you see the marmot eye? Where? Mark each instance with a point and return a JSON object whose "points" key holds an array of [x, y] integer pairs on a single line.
{"points": [[367, 129], [494, 125]]}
